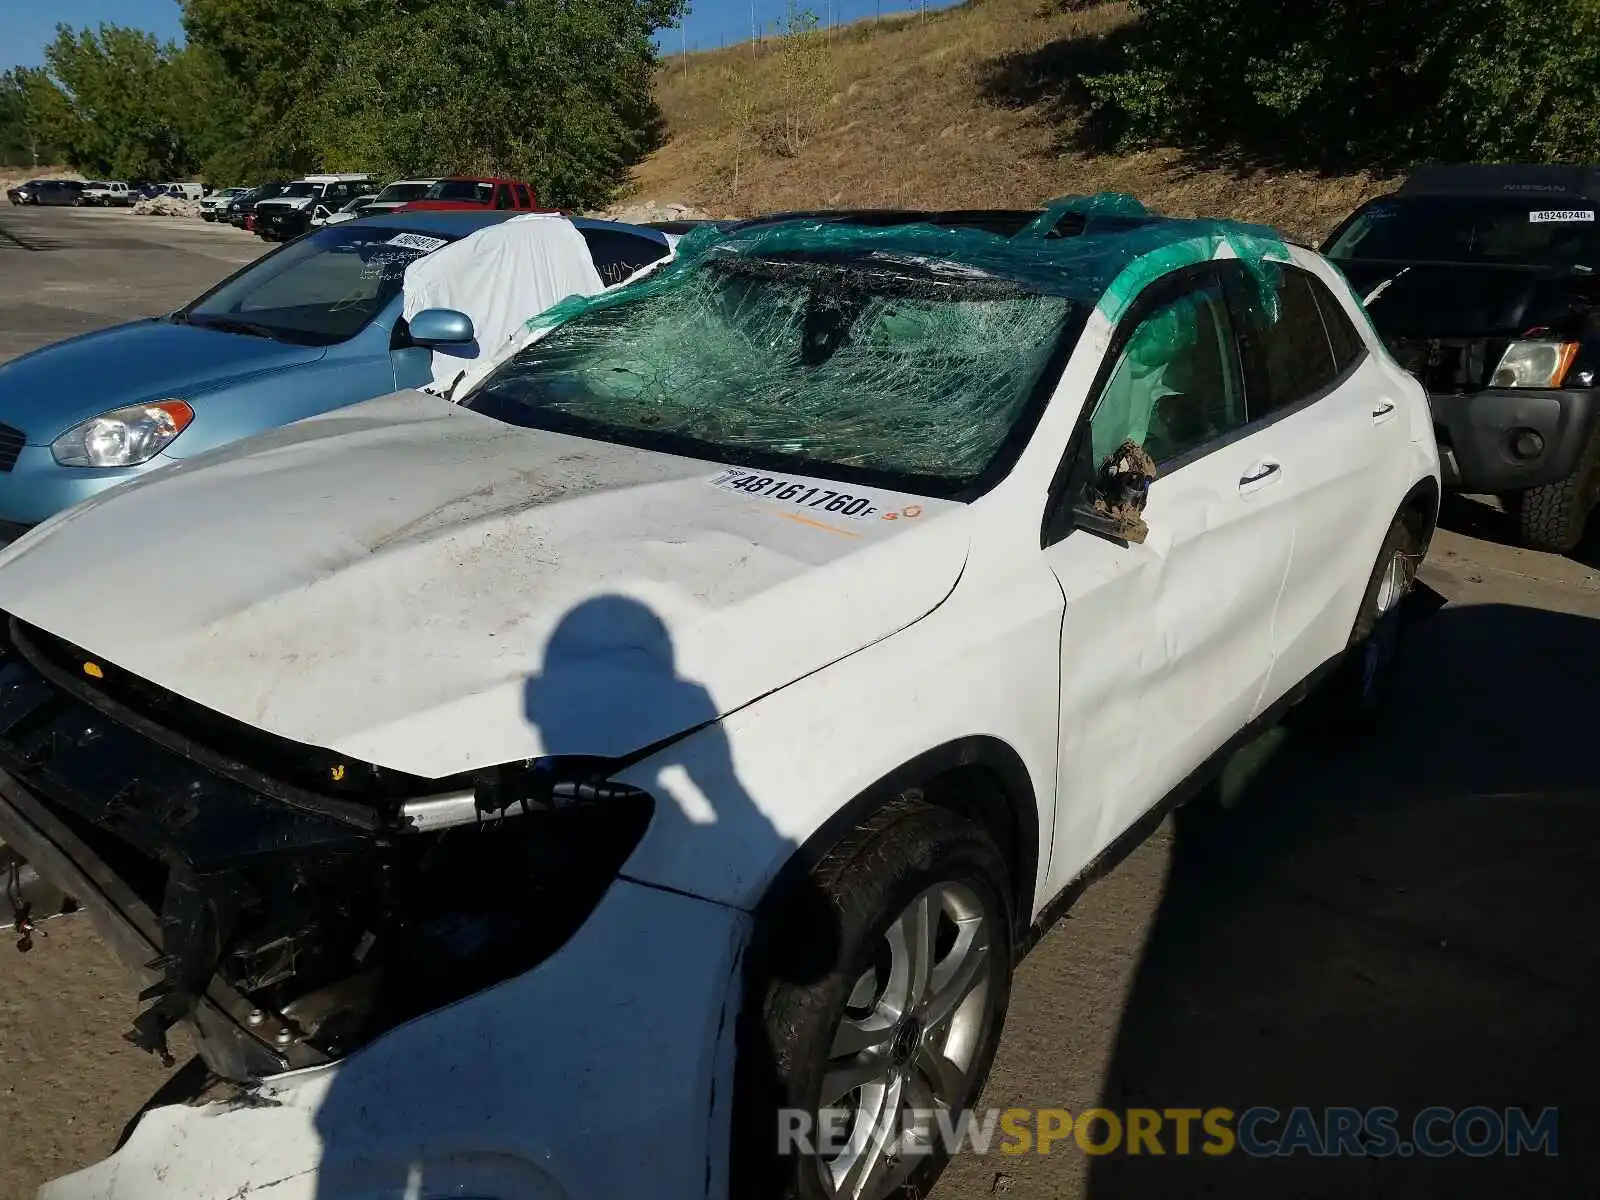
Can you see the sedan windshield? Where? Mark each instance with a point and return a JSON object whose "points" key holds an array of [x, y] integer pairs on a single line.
{"points": [[1468, 229], [318, 290], [461, 189], [865, 369]]}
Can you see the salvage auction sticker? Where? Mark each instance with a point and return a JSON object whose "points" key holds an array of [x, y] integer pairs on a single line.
{"points": [[1561, 216], [418, 241], [809, 497]]}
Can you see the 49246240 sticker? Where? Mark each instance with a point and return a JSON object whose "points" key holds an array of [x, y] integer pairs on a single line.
{"points": [[803, 496]]}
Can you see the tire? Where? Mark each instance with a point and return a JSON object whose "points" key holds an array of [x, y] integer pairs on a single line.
{"points": [[1553, 517], [1351, 698], [837, 974]]}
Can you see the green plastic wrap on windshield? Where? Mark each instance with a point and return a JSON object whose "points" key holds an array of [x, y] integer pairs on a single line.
{"points": [[912, 350]]}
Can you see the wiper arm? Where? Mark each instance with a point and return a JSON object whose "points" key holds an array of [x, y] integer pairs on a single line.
{"points": [[230, 325]]}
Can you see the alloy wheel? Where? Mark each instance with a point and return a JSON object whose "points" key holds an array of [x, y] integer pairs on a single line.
{"points": [[905, 1047]]}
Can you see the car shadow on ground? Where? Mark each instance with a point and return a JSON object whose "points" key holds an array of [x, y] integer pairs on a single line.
{"points": [[1407, 921]]}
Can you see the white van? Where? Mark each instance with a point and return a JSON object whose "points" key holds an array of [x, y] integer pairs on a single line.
{"points": [[186, 191]]}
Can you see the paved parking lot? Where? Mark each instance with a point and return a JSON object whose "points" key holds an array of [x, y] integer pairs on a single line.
{"points": [[1404, 922]]}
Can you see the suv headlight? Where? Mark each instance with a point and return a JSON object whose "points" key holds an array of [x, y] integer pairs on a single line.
{"points": [[123, 437], [1534, 364]]}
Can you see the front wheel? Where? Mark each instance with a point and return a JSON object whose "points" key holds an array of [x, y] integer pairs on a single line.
{"points": [[866, 1059], [1554, 517]]}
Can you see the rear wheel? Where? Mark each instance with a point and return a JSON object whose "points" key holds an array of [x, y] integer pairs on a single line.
{"points": [[895, 1021], [1553, 517], [1352, 696]]}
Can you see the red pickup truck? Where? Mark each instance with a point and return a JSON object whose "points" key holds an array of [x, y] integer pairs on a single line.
{"points": [[471, 192]]}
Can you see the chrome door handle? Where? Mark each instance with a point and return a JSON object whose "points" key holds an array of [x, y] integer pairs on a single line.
{"points": [[1258, 476]]}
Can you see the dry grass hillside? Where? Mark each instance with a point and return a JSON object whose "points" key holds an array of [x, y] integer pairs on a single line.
{"points": [[965, 107]]}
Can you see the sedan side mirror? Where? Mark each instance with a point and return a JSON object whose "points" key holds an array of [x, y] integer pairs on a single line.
{"points": [[441, 327]]}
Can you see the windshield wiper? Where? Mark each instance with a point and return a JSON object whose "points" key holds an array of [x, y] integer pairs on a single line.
{"points": [[230, 325]]}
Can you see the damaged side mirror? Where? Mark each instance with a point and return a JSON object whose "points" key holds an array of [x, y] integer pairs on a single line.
{"points": [[1112, 506]]}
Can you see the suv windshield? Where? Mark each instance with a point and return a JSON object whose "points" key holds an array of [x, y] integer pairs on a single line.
{"points": [[461, 189], [302, 188], [865, 367], [1469, 229], [318, 290], [402, 191]]}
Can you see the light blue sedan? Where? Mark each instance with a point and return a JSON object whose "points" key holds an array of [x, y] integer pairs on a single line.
{"points": [[313, 326]]}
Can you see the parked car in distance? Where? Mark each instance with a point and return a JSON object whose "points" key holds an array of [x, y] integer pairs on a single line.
{"points": [[310, 327], [288, 214], [392, 197], [185, 191], [460, 191], [57, 192], [501, 717], [107, 193], [1484, 281], [242, 211], [214, 205]]}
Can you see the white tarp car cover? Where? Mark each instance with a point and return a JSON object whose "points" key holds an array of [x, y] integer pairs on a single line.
{"points": [[499, 276]]}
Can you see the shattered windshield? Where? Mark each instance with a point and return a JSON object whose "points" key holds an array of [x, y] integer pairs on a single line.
{"points": [[1470, 229], [886, 367]]}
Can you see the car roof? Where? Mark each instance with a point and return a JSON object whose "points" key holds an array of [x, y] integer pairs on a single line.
{"points": [[1007, 222], [1509, 180], [459, 223]]}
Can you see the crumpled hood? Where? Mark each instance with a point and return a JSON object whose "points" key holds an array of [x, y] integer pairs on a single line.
{"points": [[48, 391], [422, 587]]}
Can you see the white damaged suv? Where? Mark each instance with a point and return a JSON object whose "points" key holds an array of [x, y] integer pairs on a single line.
{"points": [[674, 741]]}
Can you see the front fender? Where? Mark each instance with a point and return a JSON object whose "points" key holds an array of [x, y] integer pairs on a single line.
{"points": [[738, 799]]}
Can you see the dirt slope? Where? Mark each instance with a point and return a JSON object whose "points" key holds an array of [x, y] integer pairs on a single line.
{"points": [[966, 107]]}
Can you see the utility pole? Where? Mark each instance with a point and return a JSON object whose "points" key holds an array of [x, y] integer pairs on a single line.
{"points": [[755, 38]]}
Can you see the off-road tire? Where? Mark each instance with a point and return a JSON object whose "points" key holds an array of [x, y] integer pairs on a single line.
{"points": [[806, 958], [1553, 517], [1351, 697]]}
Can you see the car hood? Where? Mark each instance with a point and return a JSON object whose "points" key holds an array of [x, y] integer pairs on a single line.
{"points": [[1469, 300], [424, 588], [51, 389]]}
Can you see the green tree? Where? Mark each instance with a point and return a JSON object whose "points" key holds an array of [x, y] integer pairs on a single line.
{"points": [[554, 92], [280, 58], [32, 109], [120, 103], [1361, 80]]}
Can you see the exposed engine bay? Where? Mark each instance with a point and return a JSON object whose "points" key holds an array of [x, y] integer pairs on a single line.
{"points": [[288, 904]]}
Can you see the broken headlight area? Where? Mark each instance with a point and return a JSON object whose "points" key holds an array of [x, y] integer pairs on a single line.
{"points": [[290, 926]]}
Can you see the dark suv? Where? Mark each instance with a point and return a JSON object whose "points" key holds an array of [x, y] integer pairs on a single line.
{"points": [[1485, 283], [63, 192]]}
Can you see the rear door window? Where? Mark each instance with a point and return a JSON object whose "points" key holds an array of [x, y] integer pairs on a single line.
{"points": [[502, 197], [1289, 354], [523, 199]]}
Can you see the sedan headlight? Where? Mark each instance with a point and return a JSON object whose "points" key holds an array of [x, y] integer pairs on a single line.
{"points": [[123, 437], [1534, 364]]}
